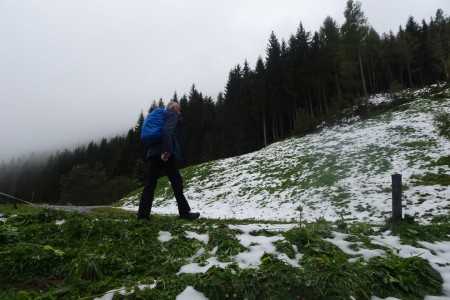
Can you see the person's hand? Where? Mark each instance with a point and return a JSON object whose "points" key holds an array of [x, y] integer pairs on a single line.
{"points": [[165, 156]]}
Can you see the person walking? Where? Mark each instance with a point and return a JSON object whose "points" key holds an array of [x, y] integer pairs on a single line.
{"points": [[164, 155]]}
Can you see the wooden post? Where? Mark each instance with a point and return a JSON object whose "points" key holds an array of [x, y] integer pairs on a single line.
{"points": [[397, 197]]}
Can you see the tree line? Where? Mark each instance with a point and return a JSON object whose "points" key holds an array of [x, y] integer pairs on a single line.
{"points": [[299, 83]]}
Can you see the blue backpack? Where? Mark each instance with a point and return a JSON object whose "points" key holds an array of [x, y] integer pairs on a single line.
{"points": [[152, 128]]}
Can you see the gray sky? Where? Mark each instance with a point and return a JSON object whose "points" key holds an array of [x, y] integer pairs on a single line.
{"points": [[72, 71]]}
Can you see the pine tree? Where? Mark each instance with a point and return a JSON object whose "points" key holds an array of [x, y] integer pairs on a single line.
{"points": [[153, 106], [175, 97], [193, 130], [354, 31], [161, 103], [233, 105], [259, 100], [374, 61], [388, 58], [274, 81], [407, 48], [330, 40], [439, 45], [297, 82]]}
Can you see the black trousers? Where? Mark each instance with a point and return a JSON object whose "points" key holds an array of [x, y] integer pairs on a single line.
{"points": [[170, 167]]}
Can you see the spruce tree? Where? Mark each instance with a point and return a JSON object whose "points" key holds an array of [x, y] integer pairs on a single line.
{"points": [[439, 45], [330, 40], [354, 31], [274, 82]]}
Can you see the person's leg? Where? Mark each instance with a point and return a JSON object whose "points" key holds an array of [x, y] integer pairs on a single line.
{"points": [[173, 173], [146, 202]]}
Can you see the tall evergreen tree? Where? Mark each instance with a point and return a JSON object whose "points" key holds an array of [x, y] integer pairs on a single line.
{"points": [[407, 49], [161, 103], [330, 40], [389, 58], [374, 61], [260, 99], [274, 82], [193, 129], [439, 45], [297, 82], [354, 31]]}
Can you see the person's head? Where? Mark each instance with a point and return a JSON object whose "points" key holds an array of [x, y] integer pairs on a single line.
{"points": [[174, 106]]}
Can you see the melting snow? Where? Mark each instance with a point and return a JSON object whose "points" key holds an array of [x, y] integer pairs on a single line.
{"points": [[164, 236], [191, 294], [342, 173]]}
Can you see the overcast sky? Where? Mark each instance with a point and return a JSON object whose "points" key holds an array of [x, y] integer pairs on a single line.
{"points": [[72, 71]]}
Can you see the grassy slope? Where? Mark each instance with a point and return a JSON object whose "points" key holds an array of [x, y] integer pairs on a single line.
{"points": [[89, 254], [343, 172]]}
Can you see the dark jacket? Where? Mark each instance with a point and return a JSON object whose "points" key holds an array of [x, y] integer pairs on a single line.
{"points": [[171, 137]]}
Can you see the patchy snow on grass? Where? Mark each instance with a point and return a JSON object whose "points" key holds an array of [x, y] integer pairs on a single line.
{"points": [[204, 238], [60, 222], [164, 236], [347, 247], [191, 294], [343, 172], [123, 291], [340, 173]]}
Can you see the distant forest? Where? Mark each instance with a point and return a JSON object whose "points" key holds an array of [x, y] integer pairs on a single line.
{"points": [[299, 84]]}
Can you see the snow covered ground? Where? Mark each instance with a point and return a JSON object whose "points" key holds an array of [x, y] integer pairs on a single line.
{"points": [[438, 254], [343, 172]]}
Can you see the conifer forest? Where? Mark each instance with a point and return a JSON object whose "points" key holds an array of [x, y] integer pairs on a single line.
{"points": [[295, 85]]}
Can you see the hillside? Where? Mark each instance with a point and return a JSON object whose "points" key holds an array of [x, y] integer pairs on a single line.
{"points": [[341, 172], [302, 219]]}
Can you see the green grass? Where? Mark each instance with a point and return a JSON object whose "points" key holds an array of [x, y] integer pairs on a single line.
{"points": [[21, 208], [443, 161], [108, 248], [92, 253], [432, 179]]}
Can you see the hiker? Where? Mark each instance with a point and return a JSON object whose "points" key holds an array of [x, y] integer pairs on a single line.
{"points": [[163, 155]]}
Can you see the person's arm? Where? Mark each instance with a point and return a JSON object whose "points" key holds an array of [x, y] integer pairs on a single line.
{"points": [[168, 131]]}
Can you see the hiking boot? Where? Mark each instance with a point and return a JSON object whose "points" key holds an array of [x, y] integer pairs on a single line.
{"points": [[190, 216]]}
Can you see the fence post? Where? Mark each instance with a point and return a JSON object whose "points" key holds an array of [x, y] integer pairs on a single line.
{"points": [[397, 197]]}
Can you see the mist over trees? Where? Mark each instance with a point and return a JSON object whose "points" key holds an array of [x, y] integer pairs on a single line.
{"points": [[299, 83]]}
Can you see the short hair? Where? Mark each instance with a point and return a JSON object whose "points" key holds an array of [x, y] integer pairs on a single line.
{"points": [[172, 104]]}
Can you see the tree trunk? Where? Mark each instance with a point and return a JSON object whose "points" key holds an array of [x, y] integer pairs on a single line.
{"points": [[320, 102], [401, 76], [294, 114], [408, 69], [362, 75], [444, 68], [280, 124], [264, 130], [325, 100], [311, 112], [274, 127], [366, 97], [338, 86]]}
